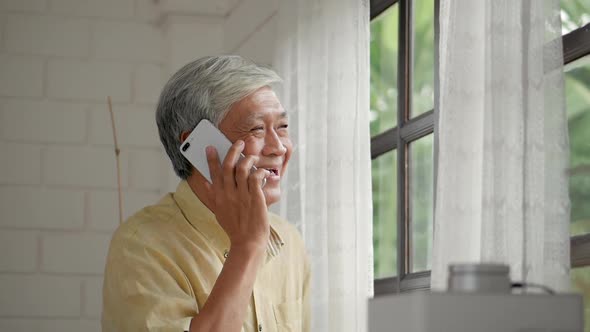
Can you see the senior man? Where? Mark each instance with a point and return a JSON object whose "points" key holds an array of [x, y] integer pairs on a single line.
{"points": [[210, 257]]}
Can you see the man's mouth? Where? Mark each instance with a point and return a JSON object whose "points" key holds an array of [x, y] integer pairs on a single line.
{"points": [[273, 171]]}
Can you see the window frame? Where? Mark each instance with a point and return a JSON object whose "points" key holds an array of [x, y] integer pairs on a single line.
{"points": [[576, 44], [398, 138]]}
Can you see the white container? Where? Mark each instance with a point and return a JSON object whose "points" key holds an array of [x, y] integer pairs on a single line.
{"points": [[479, 278]]}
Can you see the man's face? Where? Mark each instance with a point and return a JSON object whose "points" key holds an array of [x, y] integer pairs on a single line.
{"points": [[261, 122]]}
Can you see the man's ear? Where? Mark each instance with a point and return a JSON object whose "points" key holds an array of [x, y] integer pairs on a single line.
{"points": [[184, 135]]}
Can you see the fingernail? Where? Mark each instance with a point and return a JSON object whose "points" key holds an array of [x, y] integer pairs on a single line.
{"points": [[209, 150], [240, 142]]}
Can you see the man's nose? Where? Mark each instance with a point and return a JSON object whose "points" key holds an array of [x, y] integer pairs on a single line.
{"points": [[273, 145]]}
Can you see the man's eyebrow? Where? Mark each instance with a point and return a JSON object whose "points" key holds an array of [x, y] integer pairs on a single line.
{"points": [[253, 117]]}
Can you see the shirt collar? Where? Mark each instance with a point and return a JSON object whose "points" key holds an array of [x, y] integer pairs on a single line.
{"points": [[203, 219]]}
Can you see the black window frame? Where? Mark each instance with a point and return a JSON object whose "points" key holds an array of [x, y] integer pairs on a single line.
{"points": [[398, 138], [576, 44]]}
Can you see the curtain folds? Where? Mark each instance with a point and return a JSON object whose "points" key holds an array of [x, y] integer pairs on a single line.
{"points": [[502, 189], [322, 52]]}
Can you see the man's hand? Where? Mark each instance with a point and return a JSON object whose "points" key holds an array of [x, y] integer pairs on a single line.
{"points": [[239, 205], [237, 198]]}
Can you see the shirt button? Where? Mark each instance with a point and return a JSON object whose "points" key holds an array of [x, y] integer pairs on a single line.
{"points": [[260, 327], [225, 253]]}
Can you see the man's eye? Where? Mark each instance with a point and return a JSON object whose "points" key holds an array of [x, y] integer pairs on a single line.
{"points": [[257, 129], [285, 126]]}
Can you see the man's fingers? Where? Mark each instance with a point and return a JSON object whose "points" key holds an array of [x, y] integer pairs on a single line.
{"points": [[229, 165], [214, 166], [256, 179], [243, 169], [210, 194]]}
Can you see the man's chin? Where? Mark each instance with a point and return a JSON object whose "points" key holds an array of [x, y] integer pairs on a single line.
{"points": [[272, 195]]}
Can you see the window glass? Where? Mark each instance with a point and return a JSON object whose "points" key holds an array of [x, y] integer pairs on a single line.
{"points": [[421, 169], [577, 91], [384, 40], [574, 14], [423, 57], [384, 174]]}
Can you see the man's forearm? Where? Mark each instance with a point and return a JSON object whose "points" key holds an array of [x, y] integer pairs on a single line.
{"points": [[225, 309]]}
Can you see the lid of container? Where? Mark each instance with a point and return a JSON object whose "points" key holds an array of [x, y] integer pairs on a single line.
{"points": [[479, 268]]}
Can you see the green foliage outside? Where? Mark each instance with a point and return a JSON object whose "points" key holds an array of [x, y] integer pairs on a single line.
{"points": [[576, 13], [384, 57], [384, 96]]}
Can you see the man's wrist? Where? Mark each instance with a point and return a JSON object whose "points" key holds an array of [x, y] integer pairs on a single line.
{"points": [[248, 249]]}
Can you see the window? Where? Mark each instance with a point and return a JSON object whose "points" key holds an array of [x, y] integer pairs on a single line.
{"points": [[402, 145], [404, 34], [575, 15]]}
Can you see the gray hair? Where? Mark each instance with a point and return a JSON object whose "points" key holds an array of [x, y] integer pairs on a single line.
{"points": [[204, 89]]}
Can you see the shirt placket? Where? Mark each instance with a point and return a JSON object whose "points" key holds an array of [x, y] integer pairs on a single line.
{"points": [[265, 321]]}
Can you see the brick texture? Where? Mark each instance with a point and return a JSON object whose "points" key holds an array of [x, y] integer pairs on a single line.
{"points": [[21, 164], [53, 122], [23, 5], [47, 35], [38, 295], [111, 40], [40, 208], [82, 167], [103, 207], [19, 251], [93, 81], [21, 76], [94, 8], [75, 253], [136, 126]]}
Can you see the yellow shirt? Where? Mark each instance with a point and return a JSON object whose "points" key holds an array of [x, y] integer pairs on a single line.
{"points": [[164, 260]]}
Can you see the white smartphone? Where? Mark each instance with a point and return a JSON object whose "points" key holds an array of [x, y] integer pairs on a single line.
{"points": [[193, 148]]}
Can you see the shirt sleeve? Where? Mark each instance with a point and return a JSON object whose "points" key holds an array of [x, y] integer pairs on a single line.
{"points": [[144, 290]]}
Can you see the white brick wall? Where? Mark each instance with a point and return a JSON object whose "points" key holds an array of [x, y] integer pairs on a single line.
{"points": [[43, 121], [88, 80], [83, 167], [148, 166], [59, 60], [21, 76], [148, 83], [103, 207], [259, 47], [147, 10], [94, 8], [82, 253], [39, 296], [48, 35], [19, 251], [49, 325], [245, 20], [136, 126], [23, 5], [32, 207], [111, 41], [93, 296], [21, 164], [188, 40]]}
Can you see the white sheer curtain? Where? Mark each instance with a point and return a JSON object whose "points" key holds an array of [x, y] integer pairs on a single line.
{"points": [[323, 55], [502, 190]]}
